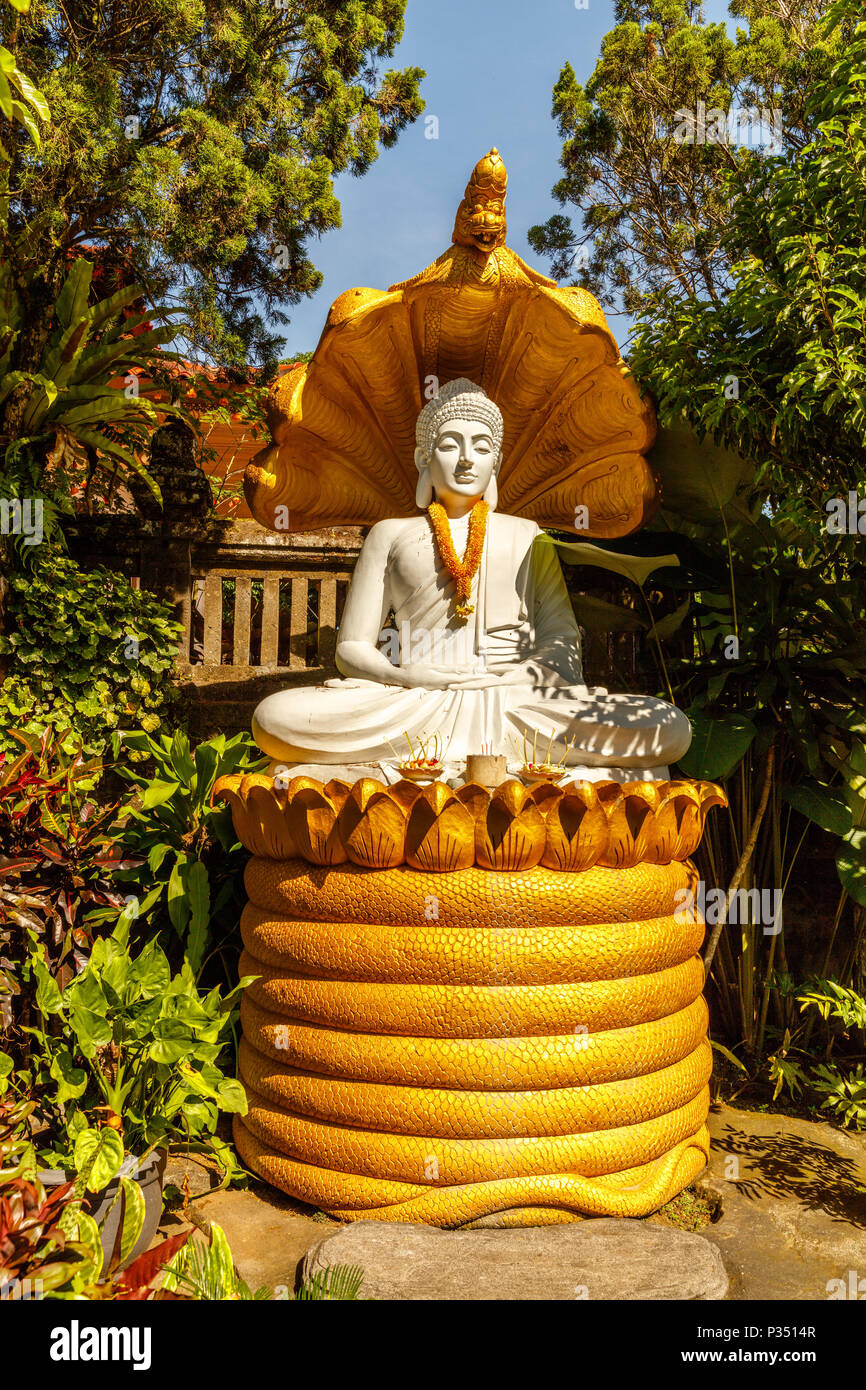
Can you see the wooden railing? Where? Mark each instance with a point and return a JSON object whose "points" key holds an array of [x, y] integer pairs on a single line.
{"points": [[259, 611], [259, 604]]}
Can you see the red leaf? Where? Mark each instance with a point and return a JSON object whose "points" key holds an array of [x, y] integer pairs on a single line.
{"points": [[135, 1281]]}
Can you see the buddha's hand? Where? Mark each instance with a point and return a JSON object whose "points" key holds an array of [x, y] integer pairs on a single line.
{"points": [[530, 673], [417, 674]]}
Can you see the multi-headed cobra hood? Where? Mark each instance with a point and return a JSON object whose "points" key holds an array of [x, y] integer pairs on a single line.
{"points": [[576, 428]]}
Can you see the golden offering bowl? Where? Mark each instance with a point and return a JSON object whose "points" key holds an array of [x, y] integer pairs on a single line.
{"points": [[542, 772], [412, 772]]}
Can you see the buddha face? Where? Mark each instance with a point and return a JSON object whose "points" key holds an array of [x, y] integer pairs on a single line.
{"points": [[463, 460]]}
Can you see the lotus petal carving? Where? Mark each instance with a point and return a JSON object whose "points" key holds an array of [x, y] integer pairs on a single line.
{"points": [[440, 834], [576, 828], [511, 835], [438, 829], [373, 826], [313, 815]]}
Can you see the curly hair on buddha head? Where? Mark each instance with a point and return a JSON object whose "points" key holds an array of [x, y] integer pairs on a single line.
{"points": [[458, 400]]}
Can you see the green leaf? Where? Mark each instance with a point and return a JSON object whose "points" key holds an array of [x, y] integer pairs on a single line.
{"points": [[98, 1155], [667, 626], [700, 479], [637, 568], [597, 615], [71, 307], [851, 866], [178, 904], [730, 1056], [31, 94], [21, 113], [79, 1226], [71, 1080], [48, 997], [719, 744], [132, 1222], [198, 891], [158, 793], [820, 805]]}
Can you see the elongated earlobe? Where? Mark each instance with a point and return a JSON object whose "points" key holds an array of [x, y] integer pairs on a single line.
{"points": [[491, 494], [424, 490]]}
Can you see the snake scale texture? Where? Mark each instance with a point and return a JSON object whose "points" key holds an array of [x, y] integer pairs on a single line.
{"points": [[473, 1048]]}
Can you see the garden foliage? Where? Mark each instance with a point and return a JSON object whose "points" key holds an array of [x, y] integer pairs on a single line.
{"points": [[90, 655], [214, 136]]}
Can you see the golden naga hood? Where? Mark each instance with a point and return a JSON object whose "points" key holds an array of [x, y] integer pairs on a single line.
{"points": [[576, 428]]}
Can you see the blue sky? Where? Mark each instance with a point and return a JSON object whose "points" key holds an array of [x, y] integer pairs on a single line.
{"points": [[491, 66]]}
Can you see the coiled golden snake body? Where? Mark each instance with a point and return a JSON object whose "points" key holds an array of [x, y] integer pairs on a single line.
{"points": [[470, 1047]]}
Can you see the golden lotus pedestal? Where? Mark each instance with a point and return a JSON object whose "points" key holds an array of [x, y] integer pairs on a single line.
{"points": [[503, 1024]]}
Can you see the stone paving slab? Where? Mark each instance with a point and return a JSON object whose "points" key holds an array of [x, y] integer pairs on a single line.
{"points": [[606, 1259], [793, 1197], [268, 1233]]}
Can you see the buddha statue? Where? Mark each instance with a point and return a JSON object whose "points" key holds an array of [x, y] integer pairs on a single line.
{"points": [[477, 1003], [483, 650]]}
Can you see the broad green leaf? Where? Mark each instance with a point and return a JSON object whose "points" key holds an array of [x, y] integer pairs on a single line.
{"points": [[21, 113], [31, 94], [198, 891], [637, 568], [821, 805], [71, 1080], [181, 757], [71, 307], [48, 997], [700, 479], [220, 1256], [133, 1216], [206, 762], [79, 1226], [156, 854], [158, 793], [597, 615], [719, 743], [178, 903], [98, 1155], [232, 1096], [851, 865], [667, 626]]}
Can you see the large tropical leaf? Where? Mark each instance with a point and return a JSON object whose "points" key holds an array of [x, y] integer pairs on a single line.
{"points": [[71, 304], [700, 480], [719, 743]]}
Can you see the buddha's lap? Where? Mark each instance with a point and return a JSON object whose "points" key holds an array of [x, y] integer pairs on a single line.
{"points": [[570, 711]]}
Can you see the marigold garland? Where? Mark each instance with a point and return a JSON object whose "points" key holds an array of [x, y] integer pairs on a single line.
{"points": [[462, 572]]}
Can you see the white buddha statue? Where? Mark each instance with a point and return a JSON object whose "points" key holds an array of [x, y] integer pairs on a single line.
{"points": [[482, 649]]}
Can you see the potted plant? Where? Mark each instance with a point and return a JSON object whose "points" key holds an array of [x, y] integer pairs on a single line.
{"points": [[50, 1247]]}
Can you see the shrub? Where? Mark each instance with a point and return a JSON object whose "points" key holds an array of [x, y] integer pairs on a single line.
{"points": [[90, 655]]}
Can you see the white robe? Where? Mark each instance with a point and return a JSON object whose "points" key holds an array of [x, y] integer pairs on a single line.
{"points": [[522, 613]]}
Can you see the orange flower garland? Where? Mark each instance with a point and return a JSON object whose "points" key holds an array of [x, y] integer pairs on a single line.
{"points": [[462, 572]]}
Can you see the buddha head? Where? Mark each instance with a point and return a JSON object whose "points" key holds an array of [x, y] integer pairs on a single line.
{"points": [[459, 446]]}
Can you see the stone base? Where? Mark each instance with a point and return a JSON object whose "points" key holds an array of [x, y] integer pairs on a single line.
{"points": [[598, 1260]]}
